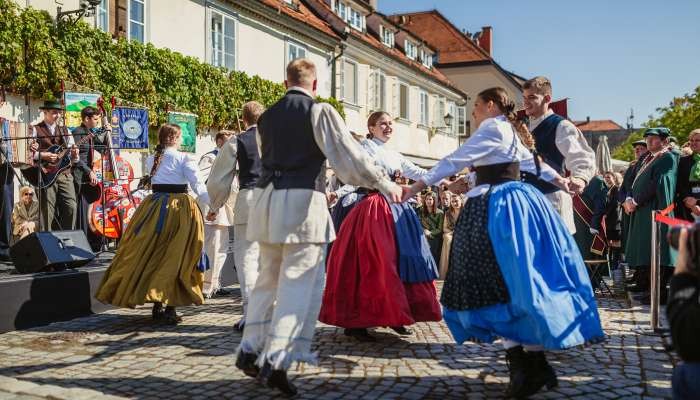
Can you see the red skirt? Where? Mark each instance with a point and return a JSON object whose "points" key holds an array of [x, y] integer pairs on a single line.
{"points": [[363, 288]]}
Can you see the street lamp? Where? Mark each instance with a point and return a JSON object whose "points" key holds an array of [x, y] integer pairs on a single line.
{"points": [[86, 8]]}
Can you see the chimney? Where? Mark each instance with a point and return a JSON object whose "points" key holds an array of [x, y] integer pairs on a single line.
{"points": [[373, 4], [588, 120], [485, 39]]}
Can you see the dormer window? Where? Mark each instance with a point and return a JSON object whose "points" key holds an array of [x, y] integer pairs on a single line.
{"points": [[426, 58], [387, 36], [350, 15], [411, 50]]}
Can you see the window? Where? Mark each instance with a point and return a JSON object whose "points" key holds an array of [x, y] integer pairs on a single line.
{"points": [[424, 109], [411, 50], [461, 121], [348, 14], [377, 90], [387, 36], [439, 119], [223, 40], [294, 51], [453, 113], [137, 20], [426, 58], [102, 16], [348, 80], [403, 100]]}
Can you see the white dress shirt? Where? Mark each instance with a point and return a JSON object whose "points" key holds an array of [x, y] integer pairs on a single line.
{"points": [[178, 168], [579, 158], [495, 142], [301, 215], [224, 218]]}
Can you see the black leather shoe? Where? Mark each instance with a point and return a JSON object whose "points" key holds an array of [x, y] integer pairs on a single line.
{"points": [[360, 334], [157, 311], [277, 379], [402, 330], [246, 363]]}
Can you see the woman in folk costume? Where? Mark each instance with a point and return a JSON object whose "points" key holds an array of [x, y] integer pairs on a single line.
{"points": [[380, 270], [157, 260], [448, 227], [515, 271], [432, 218], [216, 231]]}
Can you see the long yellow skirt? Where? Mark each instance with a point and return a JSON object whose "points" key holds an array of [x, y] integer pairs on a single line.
{"points": [[445, 254], [157, 258]]}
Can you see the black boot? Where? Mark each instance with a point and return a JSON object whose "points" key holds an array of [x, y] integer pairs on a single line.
{"points": [[517, 366], [170, 317], [540, 373], [360, 334], [246, 363], [157, 311], [277, 379], [402, 330]]}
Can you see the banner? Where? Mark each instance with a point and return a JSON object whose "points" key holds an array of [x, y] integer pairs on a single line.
{"points": [[188, 124], [131, 124], [75, 102]]}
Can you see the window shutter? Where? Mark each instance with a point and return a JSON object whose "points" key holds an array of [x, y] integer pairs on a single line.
{"points": [[395, 99], [342, 79]]}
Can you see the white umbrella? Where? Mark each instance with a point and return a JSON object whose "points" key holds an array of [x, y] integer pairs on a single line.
{"points": [[602, 156]]}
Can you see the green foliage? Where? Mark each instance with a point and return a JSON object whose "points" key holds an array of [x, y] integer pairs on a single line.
{"points": [[159, 79], [681, 116]]}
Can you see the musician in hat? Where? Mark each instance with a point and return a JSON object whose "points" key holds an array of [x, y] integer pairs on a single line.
{"points": [[653, 188], [60, 195]]}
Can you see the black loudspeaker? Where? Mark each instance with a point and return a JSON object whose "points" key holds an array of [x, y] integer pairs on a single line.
{"points": [[58, 249]]}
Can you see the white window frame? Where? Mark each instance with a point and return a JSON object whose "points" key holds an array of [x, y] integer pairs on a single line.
{"points": [[210, 40], [407, 115], [342, 82], [377, 91], [426, 58], [102, 10], [439, 117], [461, 120], [424, 108], [411, 49], [129, 20], [290, 44], [387, 36], [452, 107]]}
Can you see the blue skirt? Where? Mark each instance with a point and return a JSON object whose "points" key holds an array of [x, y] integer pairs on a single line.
{"points": [[343, 207], [551, 302], [416, 262]]}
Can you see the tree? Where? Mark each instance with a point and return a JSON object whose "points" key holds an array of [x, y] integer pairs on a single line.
{"points": [[681, 116]]}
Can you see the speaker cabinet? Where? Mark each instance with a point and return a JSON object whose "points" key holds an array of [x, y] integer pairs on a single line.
{"points": [[57, 250]]}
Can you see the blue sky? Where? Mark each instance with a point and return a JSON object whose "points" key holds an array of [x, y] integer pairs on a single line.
{"points": [[607, 56]]}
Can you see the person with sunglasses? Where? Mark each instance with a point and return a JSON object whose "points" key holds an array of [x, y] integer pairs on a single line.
{"points": [[25, 214]]}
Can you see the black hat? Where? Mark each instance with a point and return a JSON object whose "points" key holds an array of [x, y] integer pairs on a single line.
{"points": [[661, 132], [639, 143], [51, 105]]}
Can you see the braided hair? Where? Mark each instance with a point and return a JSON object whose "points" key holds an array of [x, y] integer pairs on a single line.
{"points": [[167, 136], [499, 96]]}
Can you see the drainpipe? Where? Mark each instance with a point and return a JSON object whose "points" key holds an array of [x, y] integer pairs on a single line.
{"points": [[333, 68]]}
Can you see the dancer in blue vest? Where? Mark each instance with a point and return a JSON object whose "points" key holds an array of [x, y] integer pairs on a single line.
{"points": [[560, 145], [515, 271]]}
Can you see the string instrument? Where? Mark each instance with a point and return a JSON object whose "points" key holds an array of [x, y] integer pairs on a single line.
{"points": [[114, 175], [50, 170]]}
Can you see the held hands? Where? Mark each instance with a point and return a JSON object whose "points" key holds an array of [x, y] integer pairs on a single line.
{"points": [[576, 185], [564, 184], [410, 191], [331, 197], [458, 187], [395, 193], [211, 216]]}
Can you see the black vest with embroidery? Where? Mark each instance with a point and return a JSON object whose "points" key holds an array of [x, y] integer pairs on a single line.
{"points": [[545, 135]]}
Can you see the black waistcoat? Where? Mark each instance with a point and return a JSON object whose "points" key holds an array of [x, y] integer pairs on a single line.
{"points": [[545, 135], [291, 158], [249, 165]]}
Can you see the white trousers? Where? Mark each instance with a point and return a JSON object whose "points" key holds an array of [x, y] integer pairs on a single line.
{"points": [[215, 244], [564, 206], [245, 257], [292, 277]]}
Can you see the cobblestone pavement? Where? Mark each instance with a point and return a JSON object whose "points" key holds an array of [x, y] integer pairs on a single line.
{"points": [[122, 353]]}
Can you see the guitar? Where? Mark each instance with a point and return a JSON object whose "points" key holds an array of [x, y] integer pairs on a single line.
{"points": [[50, 170]]}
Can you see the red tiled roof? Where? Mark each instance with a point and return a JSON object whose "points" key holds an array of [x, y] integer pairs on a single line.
{"points": [[438, 31], [394, 52], [600, 125], [301, 13]]}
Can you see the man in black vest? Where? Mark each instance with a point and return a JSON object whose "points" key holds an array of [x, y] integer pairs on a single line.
{"points": [[558, 143], [289, 219], [241, 150]]}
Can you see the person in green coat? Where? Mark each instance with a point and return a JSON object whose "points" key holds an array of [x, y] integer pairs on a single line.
{"points": [[653, 188], [640, 149], [432, 219]]}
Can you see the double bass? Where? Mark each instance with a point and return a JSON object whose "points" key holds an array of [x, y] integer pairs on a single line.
{"points": [[111, 213]]}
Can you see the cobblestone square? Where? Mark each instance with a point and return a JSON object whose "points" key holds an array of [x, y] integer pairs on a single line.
{"points": [[122, 353]]}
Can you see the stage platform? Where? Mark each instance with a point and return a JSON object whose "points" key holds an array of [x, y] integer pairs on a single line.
{"points": [[30, 300]]}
